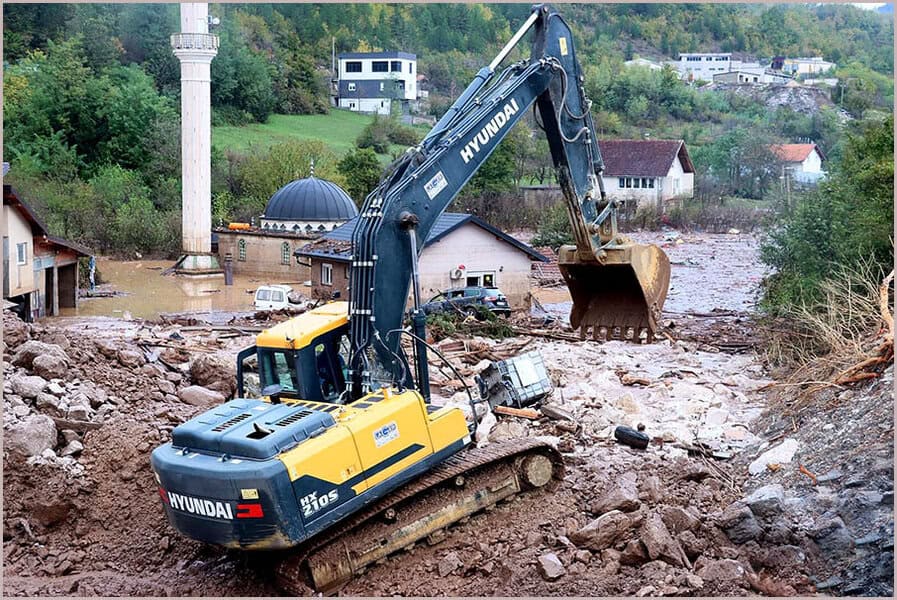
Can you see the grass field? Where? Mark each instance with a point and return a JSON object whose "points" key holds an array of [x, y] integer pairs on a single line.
{"points": [[338, 130]]}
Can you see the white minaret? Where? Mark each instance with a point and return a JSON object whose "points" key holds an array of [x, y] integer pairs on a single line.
{"points": [[195, 47]]}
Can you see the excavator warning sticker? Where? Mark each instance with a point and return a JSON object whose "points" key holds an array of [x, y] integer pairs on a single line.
{"points": [[435, 185], [563, 44], [386, 434]]}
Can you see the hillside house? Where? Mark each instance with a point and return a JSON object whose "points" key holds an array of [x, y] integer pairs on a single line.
{"points": [[461, 250], [758, 75], [40, 271], [697, 66], [806, 66], [647, 171], [803, 162], [370, 82]]}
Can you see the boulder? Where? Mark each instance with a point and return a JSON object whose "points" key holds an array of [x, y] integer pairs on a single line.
{"points": [[50, 366], [739, 523], [130, 358], [678, 519], [49, 404], [72, 448], [723, 571], [199, 396], [27, 352], [767, 501], [106, 347], [15, 330], [28, 386], [622, 495], [30, 437], [633, 554], [602, 532], [166, 387], [551, 567], [782, 453], [216, 371], [659, 543]]}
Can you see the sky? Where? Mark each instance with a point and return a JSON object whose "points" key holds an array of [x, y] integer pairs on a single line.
{"points": [[868, 5]]}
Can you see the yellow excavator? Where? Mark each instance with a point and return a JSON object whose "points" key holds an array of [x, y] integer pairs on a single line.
{"points": [[344, 460]]}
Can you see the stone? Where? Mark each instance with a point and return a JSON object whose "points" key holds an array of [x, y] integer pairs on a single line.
{"points": [[739, 524], [173, 377], [448, 564], [72, 448], [152, 370], [659, 544], [622, 496], [766, 501], [130, 358], [50, 366], [780, 454], [716, 417], [647, 590], [28, 386], [602, 532], [832, 475], [583, 556], [726, 570], [80, 412], [783, 557], [216, 371], [106, 347], [678, 519], [49, 404], [199, 396], [533, 538], [634, 554], [30, 437], [651, 489], [693, 581], [49, 513], [21, 410], [69, 435], [95, 395], [551, 567], [832, 536], [15, 331], [166, 387], [27, 352], [55, 389]]}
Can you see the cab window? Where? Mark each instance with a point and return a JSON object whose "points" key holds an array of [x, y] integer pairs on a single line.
{"points": [[277, 296], [263, 295], [279, 366], [332, 359]]}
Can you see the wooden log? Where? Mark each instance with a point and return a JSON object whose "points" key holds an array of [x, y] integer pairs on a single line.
{"points": [[525, 413]]}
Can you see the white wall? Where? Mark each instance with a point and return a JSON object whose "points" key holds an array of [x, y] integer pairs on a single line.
{"points": [[678, 183], [812, 164], [615, 192], [367, 73], [18, 230], [479, 251], [380, 106]]}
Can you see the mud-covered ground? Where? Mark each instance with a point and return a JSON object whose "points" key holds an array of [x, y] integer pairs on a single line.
{"points": [[85, 402]]}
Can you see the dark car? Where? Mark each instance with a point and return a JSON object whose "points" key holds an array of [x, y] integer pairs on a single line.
{"points": [[464, 299]]}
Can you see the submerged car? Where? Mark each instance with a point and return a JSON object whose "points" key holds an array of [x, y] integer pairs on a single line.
{"points": [[466, 299], [272, 297]]}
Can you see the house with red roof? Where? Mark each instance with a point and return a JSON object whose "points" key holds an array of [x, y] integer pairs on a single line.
{"points": [[802, 161], [647, 171]]}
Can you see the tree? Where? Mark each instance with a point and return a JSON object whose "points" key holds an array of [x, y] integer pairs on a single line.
{"points": [[362, 172]]}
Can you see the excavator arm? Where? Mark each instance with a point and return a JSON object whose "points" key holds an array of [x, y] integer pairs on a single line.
{"points": [[398, 215]]}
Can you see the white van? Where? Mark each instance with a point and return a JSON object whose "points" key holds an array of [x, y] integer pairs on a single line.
{"points": [[272, 297]]}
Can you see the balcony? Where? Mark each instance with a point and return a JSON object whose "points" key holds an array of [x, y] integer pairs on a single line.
{"points": [[195, 41]]}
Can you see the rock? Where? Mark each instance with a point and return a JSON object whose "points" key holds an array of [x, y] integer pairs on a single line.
{"points": [[106, 347], [50, 366], [558, 414], [832, 475], [783, 557], [152, 370], [678, 519], [645, 591], [551, 567], [783, 453], [602, 532], [166, 387], [49, 404], [95, 395], [692, 544], [30, 437], [15, 331], [55, 389], [693, 581], [27, 352], [659, 543], [832, 536], [723, 571], [766, 501], [622, 496], [49, 513], [28, 386], [634, 554], [199, 396], [651, 489], [583, 556], [739, 523], [533, 539], [448, 564], [130, 358], [216, 371], [69, 435], [72, 448]]}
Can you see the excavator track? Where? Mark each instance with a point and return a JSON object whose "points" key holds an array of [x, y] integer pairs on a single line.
{"points": [[472, 480]]}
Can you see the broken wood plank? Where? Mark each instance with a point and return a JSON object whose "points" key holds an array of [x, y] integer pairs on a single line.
{"points": [[79, 426], [525, 413]]}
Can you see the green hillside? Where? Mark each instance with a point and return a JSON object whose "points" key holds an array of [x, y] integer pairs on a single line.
{"points": [[338, 130]]}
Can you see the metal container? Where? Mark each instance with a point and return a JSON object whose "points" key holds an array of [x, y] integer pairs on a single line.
{"points": [[517, 382]]}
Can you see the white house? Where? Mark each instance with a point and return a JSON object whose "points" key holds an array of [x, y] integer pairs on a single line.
{"points": [[751, 75], [807, 66], [802, 161], [370, 82], [647, 171], [697, 66], [461, 250], [643, 62]]}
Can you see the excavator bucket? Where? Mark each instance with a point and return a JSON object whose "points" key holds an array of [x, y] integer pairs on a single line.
{"points": [[620, 298]]}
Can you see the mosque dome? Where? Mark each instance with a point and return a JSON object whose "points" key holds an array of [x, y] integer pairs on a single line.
{"points": [[310, 199]]}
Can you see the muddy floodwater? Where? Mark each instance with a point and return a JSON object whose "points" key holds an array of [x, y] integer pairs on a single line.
{"points": [[146, 293], [708, 272]]}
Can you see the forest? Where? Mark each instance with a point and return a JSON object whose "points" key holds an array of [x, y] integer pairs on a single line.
{"points": [[91, 99]]}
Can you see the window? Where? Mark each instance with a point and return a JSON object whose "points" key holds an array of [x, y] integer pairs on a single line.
{"points": [[637, 183], [285, 253], [629, 182], [351, 87], [380, 66], [276, 296], [353, 66], [263, 295], [400, 86], [381, 89], [409, 67], [651, 183], [622, 182], [22, 253], [241, 250], [644, 182], [278, 366], [395, 66], [326, 274]]}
